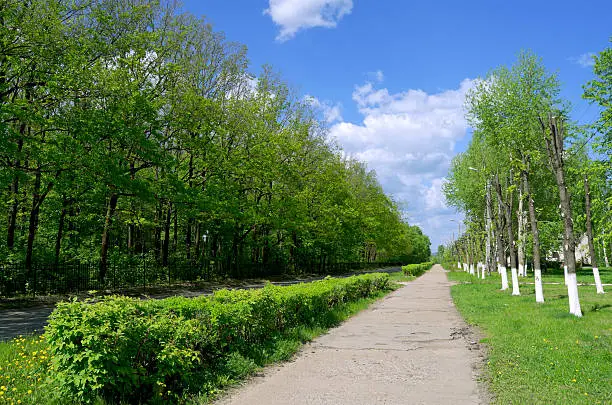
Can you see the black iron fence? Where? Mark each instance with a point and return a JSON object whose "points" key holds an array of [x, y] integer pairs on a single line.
{"points": [[65, 278]]}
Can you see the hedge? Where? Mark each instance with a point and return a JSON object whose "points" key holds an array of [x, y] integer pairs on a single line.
{"points": [[417, 269], [129, 350]]}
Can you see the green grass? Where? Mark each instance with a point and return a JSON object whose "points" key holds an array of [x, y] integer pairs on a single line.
{"points": [[538, 353], [399, 276], [583, 275], [26, 376], [24, 367]]}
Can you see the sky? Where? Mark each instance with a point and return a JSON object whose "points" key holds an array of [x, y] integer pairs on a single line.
{"points": [[390, 76]]}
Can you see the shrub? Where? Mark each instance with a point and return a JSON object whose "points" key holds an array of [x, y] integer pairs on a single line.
{"points": [[125, 349], [416, 269]]}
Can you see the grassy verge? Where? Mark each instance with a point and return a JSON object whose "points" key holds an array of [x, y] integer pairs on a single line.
{"points": [[26, 373], [399, 276], [583, 275], [539, 354]]}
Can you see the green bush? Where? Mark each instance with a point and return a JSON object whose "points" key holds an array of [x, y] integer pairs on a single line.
{"points": [[124, 349], [416, 269]]}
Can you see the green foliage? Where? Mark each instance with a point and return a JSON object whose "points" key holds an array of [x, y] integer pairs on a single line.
{"points": [[132, 128], [132, 350], [416, 269]]}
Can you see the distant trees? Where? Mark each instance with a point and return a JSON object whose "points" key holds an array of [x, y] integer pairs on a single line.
{"points": [[130, 130], [536, 161]]}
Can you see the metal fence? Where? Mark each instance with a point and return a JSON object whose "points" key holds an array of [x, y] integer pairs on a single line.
{"points": [[64, 278]]}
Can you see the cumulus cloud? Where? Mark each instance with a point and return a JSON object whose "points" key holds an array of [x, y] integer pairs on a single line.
{"points": [[295, 15], [409, 138], [331, 112], [585, 60]]}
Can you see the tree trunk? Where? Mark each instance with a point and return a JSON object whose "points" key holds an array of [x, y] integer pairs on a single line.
{"points": [[589, 229], [197, 242], [188, 238], [489, 225], [130, 235], [605, 252], [166, 242], [159, 212], [37, 200], [110, 211], [537, 271], [175, 235], [554, 144], [505, 210], [522, 269]]}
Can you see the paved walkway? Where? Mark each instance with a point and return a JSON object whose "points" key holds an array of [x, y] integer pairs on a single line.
{"points": [[408, 348]]}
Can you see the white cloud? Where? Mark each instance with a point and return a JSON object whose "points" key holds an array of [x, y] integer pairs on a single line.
{"points": [[409, 139], [585, 60], [377, 76], [331, 112], [295, 15]]}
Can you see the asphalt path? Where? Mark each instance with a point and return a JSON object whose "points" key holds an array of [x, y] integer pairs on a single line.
{"points": [[412, 347]]}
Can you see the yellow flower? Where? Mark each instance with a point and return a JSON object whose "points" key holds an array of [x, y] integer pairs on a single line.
{"points": [[29, 391], [573, 380], [14, 389]]}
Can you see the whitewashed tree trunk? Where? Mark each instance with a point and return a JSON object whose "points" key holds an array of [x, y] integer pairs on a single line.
{"points": [[521, 235], [472, 268], [605, 252], [484, 270], [538, 285], [537, 272], [591, 241], [554, 134], [515, 284], [572, 292], [504, 278], [598, 284], [459, 265], [565, 274]]}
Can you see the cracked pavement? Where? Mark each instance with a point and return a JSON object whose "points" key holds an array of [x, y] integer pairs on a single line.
{"points": [[411, 347]]}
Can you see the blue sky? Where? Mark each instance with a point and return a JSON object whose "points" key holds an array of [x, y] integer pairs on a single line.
{"points": [[390, 75]]}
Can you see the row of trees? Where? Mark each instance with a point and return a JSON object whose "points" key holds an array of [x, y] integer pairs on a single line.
{"points": [[531, 181], [130, 129]]}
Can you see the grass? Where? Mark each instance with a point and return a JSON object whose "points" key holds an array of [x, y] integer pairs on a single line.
{"points": [[24, 367], [538, 353], [26, 374], [583, 275], [399, 276]]}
